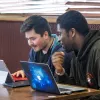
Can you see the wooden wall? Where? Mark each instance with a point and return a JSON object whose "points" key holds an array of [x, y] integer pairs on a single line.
{"points": [[13, 46]]}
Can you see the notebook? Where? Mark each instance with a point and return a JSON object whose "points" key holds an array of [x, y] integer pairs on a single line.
{"points": [[41, 78], [10, 80]]}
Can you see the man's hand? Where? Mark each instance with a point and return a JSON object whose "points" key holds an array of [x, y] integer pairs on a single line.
{"points": [[57, 60], [19, 73]]}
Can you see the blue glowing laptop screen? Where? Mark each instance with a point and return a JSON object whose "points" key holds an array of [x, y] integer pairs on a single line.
{"points": [[39, 76]]}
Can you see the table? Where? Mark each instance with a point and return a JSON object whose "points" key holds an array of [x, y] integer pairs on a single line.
{"points": [[27, 93]]}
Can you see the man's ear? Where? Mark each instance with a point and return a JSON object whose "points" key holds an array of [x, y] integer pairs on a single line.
{"points": [[46, 35], [72, 32]]}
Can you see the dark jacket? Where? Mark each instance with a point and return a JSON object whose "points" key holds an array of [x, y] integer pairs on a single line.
{"points": [[56, 47], [85, 68]]}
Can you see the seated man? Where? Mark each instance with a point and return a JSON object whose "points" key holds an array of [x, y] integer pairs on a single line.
{"points": [[43, 44], [85, 66]]}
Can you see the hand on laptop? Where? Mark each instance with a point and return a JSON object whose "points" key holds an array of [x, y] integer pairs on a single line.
{"points": [[57, 60], [19, 73]]}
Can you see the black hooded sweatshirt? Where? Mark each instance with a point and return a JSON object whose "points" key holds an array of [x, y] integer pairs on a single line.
{"points": [[85, 69]]}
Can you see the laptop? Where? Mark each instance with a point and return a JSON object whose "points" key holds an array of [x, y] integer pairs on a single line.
{"points": [[9, 80], [41, 78]]}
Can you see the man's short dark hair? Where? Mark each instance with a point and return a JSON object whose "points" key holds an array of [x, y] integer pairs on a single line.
{"points": [[38, 23], [59, 19], [74, 19]]}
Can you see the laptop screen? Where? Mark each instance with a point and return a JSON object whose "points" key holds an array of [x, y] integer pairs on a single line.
{"points": [[4, 68], [40, 76]]}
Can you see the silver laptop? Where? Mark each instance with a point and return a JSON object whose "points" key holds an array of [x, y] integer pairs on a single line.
{"points": [[40, 78], [7, 77]]}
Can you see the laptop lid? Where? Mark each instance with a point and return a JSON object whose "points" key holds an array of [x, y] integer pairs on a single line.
{"points": [[40, 77], [7, 77], [6, 73]]}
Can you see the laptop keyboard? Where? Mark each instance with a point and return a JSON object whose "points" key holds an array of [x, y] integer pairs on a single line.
{"points": [[62, 89], [72, 88]]}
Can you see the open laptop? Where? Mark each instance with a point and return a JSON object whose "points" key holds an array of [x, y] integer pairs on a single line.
{"points": [[41, 79], [9, 80]]}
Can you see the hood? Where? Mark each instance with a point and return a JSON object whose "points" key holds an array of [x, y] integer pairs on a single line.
{"points": [[90, 39], [55, 43]]}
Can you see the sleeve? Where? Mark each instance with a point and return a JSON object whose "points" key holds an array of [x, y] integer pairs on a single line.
{"points": [[31, 56], [98, 71], [96, 67], [66, 65], [67, 60], [66, 79]]}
